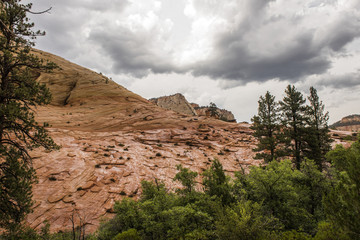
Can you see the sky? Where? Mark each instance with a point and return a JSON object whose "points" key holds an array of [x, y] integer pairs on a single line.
{"points": [[227, 52]]}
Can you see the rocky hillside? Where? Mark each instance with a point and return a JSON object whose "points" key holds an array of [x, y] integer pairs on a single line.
{"points": [[179, 104], [112, 139], [176, 103], [349, 123], [221, 114]]}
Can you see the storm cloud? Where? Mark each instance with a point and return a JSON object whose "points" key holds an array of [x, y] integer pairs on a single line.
{"points": [[288, 45], [248, 40], [231, 47]]}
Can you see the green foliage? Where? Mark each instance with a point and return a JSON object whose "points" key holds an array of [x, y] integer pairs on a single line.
{"points": [[291, 235], [317, 136], [244, 220], [271, 202], [187, 179], [293, 121], [328, 231], [293, 196], [130, 234], [213, 110], [19, 132], [291, 128], [266, 126], [216, 183], [342, 205]]}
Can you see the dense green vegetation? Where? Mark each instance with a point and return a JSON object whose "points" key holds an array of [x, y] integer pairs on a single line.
{"points": [[276, 201]]}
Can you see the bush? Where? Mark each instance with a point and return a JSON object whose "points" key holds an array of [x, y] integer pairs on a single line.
{"points": [[130, 234]]}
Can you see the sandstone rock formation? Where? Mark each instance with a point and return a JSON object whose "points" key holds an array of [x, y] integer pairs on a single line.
{"points": [[112, 139], [349, 123], [179, 104], [176, 103], [222, 114]]}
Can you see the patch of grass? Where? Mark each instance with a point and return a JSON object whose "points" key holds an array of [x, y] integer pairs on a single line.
{"points": [[121, 145]]}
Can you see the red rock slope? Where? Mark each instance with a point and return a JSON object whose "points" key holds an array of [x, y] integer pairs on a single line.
{"points": [[112, 139]]}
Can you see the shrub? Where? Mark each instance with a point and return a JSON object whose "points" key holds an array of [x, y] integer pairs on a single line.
{"points": [[130, 234]]}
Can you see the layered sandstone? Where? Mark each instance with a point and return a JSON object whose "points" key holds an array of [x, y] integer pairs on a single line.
{"points": [[179, 104], [221, 114], [349, 123], [176, 102]]}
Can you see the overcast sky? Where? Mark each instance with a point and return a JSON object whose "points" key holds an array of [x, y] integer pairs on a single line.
{"points": [[227, 52]]}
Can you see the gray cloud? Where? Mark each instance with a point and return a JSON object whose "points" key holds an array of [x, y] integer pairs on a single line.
{"points": [[130, 53], [303, 50], [257, 41], [348, 80]]}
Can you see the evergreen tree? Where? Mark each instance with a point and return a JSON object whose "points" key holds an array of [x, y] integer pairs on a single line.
{"points": [[19, 94], [317, 135], [294, 122], [213, 110], [266, 128], [187, 179], [216, 183]]}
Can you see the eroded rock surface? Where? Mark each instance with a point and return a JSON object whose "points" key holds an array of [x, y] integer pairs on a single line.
{"points": [[111, 140], [350, 123], [176, 102]]}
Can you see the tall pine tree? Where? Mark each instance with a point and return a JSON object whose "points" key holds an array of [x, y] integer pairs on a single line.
{"points": [[317, 135], [266, 126], [19, 95], [294, 122]]}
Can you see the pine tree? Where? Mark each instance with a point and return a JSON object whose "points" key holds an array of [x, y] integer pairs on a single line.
{"points": [[294, 122], [266, 128], [213, 110], [216, 183], [19, 95], [317, 135]]}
